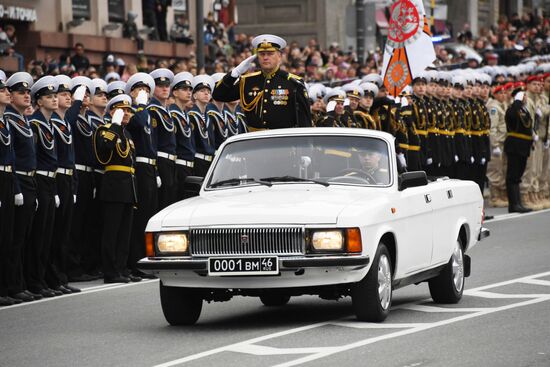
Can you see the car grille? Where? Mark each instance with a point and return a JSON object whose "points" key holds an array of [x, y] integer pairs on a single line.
{"points": [[247, 241]]}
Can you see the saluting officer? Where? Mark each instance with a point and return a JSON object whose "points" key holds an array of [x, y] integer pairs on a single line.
{"points": [[140, 86], [217, 116], [354, 93], [115, 150], [166, 136], [336, 114], [185, 141], [271, 98], [316, 93]]}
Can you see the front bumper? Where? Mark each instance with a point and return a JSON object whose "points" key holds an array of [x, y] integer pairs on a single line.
{"points": [[483, 233]]}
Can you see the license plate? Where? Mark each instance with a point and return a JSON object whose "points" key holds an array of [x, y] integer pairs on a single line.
{"points": [[266, 265]]}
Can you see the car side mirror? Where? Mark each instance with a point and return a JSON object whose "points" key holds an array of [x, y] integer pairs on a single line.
{"points": [[412, 179], [193, 186]]}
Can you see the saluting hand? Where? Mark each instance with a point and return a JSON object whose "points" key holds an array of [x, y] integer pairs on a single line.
{"points": [[243, 67], [79, 93], [18, 199], [330, 106], [142, 97], [118, 115]]}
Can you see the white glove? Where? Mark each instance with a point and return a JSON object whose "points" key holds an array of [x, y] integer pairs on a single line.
{"points": [[242, 67], [117, 116], [404, 102], [429, 161], [74, 199], [93, 195], [18, 199], [519, 96], [57, 201], [159, 182], [539, 112], [330, 106], [547, 144], [36, 202], [402, 160], [483, 160], [142, 97], [456, 158], [497, 152], [472, 160], [346, 102], [398, 100], [79, 93], [535, 137]]}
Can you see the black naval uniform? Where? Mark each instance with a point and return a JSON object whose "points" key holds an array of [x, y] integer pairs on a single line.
{"points": [[274, 101], [331, 119], [115, 150], [413, 149], [231, 120], [479, 147], [241, 119], [166, 145], [433, 142], [203, 134], [219, 125], [185, 148], [462, 140], [420, 120]]}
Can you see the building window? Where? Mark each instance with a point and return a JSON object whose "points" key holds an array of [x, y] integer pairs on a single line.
{"points": [[117, 13], [81, 9]]}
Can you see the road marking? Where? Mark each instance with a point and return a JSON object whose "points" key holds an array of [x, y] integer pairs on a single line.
{"points": [[435, 309], [246, 346], [501, 217], [262, 350], [536, 282]]}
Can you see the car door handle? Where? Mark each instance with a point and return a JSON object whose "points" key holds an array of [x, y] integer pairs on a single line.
{"points": [[449, 194], [428, 198]]}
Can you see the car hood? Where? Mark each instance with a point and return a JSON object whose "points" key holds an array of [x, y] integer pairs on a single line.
{"points": [[284, 204]]}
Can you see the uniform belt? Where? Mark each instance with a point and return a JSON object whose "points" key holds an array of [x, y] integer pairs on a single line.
{"points": [[415, 148], [204, 157], [171, 157], [403, 145], [46, 173], [84, 168], [100, 171], [446, 132], [477, 132], [120, 168], [150, 161], [65, 171], [421, 132], [6, 168], [520, 136], [433, 130], [183, 162], [25, 173], [460, 131]]}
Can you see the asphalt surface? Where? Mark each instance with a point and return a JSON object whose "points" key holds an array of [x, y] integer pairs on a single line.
{"points": [[502, 320]]}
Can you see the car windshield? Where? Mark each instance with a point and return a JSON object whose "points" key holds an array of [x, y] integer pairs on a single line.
{"points": [[319, 159]]}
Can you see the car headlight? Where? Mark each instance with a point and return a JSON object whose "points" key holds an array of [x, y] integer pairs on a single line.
{"points": [[327, 240], [172, 242]]}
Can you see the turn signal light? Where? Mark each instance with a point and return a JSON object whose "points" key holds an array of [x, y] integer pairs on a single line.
{"points": [[354, 244], [149, 244]]}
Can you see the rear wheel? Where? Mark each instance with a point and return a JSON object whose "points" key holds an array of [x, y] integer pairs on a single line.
{"points": [[371, 297], [448, 286], [181, 306], [273, 300]]}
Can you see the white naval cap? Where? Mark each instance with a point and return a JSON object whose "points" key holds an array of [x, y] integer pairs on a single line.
{"points": [[2, 79], [120, 101], [162, 76], [316, 91], [268, 42], [112, 76], [444, 77], [431, 76], [115, 88], [420, 77], [138, 80], [202, 81], [98, 86], [458, 81], [407, 91], [182, 80], [370, 88], [20, 81], [353, 90], [63, 83], [216, 77], [335, 95], [44, 86], [373, 78], [81, 80]]}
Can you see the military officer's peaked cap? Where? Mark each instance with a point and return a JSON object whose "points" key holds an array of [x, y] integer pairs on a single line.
{"points": [[337, 95], [81, 80], [316, 91], [112, 76], [407, 91], [2, 79], [202, 81], [44, 86], [353, 90], [420, 78], [370, 88], [268, 42], [98, 86], [140, 80], [182, 80], [115, 88], [431, 76], [63, 83], [120, 101], [162, 76], [20, 81], [444, 77], [458, 81], [373, 78]]}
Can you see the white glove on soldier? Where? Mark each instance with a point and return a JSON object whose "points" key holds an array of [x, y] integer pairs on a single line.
{"points": [[57, 201], [79, 93], [330, 106], [142, 97], [402, 160], [539, 112], [118, 115], [472, 160], [404, 102], [18, 199], [36, 202], [456, 158], [242, 67], [535, 137], [93, 194], [429, 161], [346, 102], [547, 144], [159, 182], [497, 152], [483, 160], [519, 96], [74, 199]]}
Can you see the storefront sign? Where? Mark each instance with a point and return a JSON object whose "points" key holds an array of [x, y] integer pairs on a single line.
{"points": [[17, 13]]}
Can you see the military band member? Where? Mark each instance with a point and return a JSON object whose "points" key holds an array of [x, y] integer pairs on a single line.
{"points": [[201, 124], [115, 150], [185, 140], [166, 136], [271, 98], [140, 87], [217, 116]]}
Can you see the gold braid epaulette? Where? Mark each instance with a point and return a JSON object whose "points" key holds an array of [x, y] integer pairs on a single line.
{"points": [[252, 105]]}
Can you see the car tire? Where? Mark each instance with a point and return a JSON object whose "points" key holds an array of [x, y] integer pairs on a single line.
{"points": [[372, 296], [181, 306], [274, 300], [448, 286]]}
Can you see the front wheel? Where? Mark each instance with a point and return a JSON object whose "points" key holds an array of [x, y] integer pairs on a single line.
{"points": [[181, 306], [274, 300], [371, 297], [448, 286]]}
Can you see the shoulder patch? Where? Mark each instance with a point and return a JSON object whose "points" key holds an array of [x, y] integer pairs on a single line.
{"points": [[493, 111], [290, 75]]}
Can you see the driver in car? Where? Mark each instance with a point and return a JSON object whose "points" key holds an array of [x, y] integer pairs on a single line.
{"points": [[371, 161]]}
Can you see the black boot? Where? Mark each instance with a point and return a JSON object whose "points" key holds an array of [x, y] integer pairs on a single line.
{"points": [[514, 200]]}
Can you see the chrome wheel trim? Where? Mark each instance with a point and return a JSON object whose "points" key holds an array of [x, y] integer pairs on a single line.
{"points": [[384, 282], [457, 263]]}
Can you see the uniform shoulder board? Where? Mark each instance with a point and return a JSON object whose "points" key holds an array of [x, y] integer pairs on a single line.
{"points": [[296, 79], [151, 108], [406, 113], [294, 76]]}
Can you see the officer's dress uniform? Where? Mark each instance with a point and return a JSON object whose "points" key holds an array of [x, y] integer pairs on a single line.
{"points": [[479, 144], [496, 168], [462, 140], [204, 142], [115, 149], [433, 141], [420, 120], [364, 118], [413, 147], [163, 123], [185, 148]]}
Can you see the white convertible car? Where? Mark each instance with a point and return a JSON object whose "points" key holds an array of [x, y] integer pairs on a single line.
{"points": [[321, 211]]}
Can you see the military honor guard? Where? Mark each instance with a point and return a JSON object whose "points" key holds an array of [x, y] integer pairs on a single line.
{"points": [[354, 94], [370, 90], [205, 145], [217, 116], [462, 136], [270, 98], [162, 122], [420, 114]]}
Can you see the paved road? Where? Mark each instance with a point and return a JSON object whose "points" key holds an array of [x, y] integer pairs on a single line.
{"points": [[503, 320]]}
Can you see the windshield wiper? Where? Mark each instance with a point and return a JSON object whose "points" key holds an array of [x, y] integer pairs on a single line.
{"points": [[294, 179], [232, 181]]}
